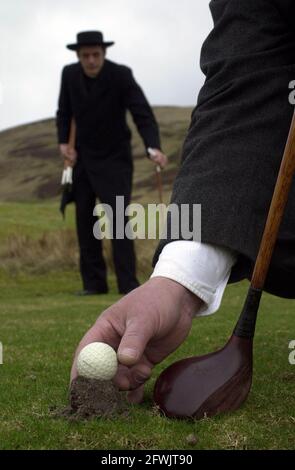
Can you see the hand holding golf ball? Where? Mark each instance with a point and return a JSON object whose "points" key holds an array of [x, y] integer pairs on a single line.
{"points": [[143, 340], [97, 361]]}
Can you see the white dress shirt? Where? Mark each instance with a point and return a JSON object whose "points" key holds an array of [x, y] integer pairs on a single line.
{"points": [[202, 268]]}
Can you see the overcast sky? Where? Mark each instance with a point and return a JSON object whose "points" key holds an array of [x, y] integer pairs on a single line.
{"points": [[159, 39]]}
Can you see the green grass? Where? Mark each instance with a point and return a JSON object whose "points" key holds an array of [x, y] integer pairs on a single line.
{"points": [[33, 218], [41, 322]]}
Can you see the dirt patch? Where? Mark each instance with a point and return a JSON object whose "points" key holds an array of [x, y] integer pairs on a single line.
{"points": [[91, 398]]}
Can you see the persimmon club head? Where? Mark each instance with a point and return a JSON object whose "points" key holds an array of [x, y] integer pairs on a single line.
{"points": [[207, 385]]}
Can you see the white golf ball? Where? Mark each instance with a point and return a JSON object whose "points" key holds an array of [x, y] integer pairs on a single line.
{"points": [[97, 361]]}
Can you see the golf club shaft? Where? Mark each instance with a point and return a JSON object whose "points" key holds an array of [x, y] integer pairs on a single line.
{"points": [[152, 153], [72, 137], [159, 183], [245, 326], [71, 141], [276, 211]]}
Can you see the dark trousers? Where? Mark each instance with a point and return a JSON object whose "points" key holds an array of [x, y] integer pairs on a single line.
{"points": [[88, 186]]}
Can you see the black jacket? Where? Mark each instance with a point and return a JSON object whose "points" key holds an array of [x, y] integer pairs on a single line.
{"points": [[99, 107], [238, 132]]}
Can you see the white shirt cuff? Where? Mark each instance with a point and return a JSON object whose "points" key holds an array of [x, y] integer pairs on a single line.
{"points": [[202, 268]]}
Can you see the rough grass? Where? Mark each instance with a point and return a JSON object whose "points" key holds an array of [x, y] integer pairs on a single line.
{"points": [[34, 239], [41, 323]]}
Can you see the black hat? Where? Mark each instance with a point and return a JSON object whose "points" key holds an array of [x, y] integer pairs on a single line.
{"points": [[89, 38]]}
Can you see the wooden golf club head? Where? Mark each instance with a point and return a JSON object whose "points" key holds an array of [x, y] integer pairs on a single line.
{"points": [[207, 385]]}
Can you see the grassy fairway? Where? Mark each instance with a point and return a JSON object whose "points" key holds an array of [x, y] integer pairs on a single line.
{"points": [[41, 322]]}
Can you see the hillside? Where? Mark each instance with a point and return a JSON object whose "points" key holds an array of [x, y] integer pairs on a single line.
{"points": [[30, 166]]}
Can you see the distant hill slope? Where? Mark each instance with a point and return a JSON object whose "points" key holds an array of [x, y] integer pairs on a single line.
{"points": [[30, 166]]}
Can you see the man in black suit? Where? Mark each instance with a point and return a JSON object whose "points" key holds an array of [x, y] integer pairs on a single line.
{"points": [[96, 93]]}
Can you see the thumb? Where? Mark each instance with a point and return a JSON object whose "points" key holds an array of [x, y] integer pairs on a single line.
{"points": [[133, 342]]}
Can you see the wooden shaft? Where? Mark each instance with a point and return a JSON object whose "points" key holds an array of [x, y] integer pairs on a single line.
{"points": [[276, 211], [72, 137], [159, 183], [71, 141]]}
